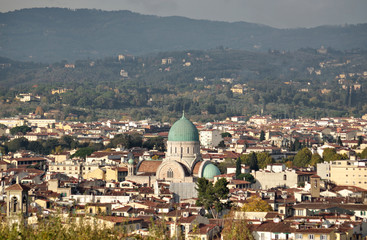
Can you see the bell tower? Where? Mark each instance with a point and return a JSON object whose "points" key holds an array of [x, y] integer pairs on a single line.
{"points": [[315, 186], [17, 202]]}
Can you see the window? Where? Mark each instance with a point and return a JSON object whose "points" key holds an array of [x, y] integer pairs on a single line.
{"points": [[299, 236], [323, 237], [262, 236], [285, 177], [311, 236], [188, 150], [170, 173], [276, 236]]}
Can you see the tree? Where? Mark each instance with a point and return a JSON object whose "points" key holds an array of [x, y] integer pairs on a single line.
{"points": [[253, 164], [256, 204], [127, 141], [155, 143], [330, 154], [83, 152], [339, 141], [20, 129], [247, 176], [236, 229], [302, 158], [264, 159], [315, 159], [297, 145], [68, 142], [17, 144], [226, 134], [262, 135], [238, 167], [364, 153], [210, 197], [35, 146], [360, 140], [221, 144], [228, 162]]}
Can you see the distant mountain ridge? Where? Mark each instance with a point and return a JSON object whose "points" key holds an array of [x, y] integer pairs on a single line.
{"points": [[55, 34]]}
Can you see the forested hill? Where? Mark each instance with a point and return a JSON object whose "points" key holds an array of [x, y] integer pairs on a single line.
{"points": [[209, 85], [54, 34]]}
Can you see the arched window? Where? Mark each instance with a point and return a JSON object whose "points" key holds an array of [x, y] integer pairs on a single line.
{"points": [[285, 177], [170, 173], [14, 201], [188, 150]]}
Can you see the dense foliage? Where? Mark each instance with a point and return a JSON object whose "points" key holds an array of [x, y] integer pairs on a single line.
{"points": [[53, 229], [282, 84], [211, 196], [256, 204]]}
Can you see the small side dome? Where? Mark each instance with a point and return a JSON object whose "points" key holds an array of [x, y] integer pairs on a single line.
{"points": [[131, 161], [210, 171]]}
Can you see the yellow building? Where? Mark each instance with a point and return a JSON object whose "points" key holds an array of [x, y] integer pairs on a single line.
{"points": [[349, 172], [95, 174], [98, 208], [116, 174]]}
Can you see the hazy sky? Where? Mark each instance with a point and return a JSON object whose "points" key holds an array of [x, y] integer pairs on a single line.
{"points": [[276, 13]]}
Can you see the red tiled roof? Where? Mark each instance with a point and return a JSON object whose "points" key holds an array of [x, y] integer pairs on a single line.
{"points": [[197, 167], [17, 187], [149, 166]]}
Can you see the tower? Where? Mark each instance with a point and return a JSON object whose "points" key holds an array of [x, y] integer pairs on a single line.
{"points": [[17, 202], [315, 186], [130, 168]]}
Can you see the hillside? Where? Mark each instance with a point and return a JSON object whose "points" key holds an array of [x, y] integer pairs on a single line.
{"points": [[208, 85], [55, 34]]}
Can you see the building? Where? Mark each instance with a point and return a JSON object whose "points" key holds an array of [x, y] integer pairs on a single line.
{"points": [[349, 172], [70, 168], [210, 138], [17, 202], [182, 165], [279, 176]]}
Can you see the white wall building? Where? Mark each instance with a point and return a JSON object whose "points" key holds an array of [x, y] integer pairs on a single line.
{"points": [[210, 138]]}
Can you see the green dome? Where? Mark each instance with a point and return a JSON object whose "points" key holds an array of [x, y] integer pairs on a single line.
{"points": [[210, 171], [131, 161], [183, 130]]}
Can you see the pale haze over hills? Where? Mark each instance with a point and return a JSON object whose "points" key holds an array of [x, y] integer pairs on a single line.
{"points": [[279, 13], [55, 34]]}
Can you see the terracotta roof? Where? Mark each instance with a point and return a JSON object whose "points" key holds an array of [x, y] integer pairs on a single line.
{"points": [[29, 159], [270, 226], [117, 219], [18, 187], [197, 167], [149, 166], [204, 229]]}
